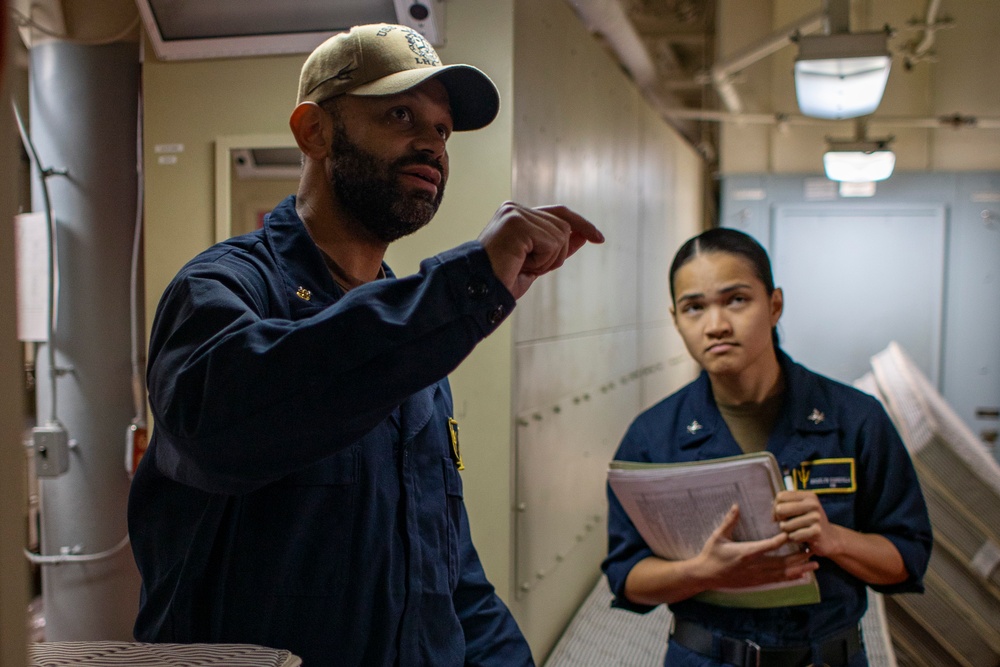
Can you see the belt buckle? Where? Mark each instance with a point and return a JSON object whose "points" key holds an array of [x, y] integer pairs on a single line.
{"points": [[751, 654]]}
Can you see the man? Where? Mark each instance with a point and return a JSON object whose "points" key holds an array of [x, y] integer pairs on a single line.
{"points": [[301, 489]]}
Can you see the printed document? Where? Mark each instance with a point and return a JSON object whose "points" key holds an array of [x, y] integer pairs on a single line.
{"points": [[676, 506]]}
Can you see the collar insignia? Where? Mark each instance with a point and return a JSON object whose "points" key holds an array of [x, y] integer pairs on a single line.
{"points": [[816, 417], [303, 294], [694, 427]]}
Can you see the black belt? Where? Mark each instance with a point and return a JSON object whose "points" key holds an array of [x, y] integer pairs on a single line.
{"points": [[835, 651]]}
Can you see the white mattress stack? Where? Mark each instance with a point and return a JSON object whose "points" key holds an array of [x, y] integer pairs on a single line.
{"points": [[957, 620], [135, 654]]}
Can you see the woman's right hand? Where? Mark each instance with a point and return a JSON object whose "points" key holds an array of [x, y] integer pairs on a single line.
{"points": [[724, 563]]}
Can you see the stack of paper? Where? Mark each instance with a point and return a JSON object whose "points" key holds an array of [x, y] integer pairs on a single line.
{"points": [[677, 506]]}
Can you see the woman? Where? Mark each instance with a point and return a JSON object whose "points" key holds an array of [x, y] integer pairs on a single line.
{"points": [[751, 397]]}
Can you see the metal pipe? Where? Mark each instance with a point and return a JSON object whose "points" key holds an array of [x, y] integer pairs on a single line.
{"points": [[930, 27], [607, 18], [955, 121], [722, 72], [83, 115]]}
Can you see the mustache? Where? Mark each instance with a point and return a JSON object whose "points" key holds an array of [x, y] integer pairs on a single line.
{"points": [[419, 158]]}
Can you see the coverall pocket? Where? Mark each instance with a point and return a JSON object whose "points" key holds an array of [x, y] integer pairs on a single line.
{"points": [[292, 534], [453, 496]]}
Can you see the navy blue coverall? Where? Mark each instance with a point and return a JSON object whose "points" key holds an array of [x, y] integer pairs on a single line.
{"points": [[301, 488], [834, 440]]}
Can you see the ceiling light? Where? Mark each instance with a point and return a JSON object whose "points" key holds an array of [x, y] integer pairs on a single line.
{"points": [[859, 161], [842, 75]]}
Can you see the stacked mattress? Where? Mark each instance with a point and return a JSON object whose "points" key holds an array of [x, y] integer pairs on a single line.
{"points": [[956, 622], [135, 654]]}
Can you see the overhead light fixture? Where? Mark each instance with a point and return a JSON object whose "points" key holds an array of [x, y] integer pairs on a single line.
{"points": [[859, 161], [841, 75]]}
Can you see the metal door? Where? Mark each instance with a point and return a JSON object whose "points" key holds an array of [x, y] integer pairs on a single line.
{"points": [[855, 279]]}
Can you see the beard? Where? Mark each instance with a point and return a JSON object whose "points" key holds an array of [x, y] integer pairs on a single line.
{"points": [[369, 190]]}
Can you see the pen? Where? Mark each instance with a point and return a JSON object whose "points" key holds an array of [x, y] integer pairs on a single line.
{"points": [[789, 483]]}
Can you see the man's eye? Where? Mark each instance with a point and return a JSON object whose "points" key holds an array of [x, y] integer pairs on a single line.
{"points": [[691, 309], [401, 113], [444, 132]]}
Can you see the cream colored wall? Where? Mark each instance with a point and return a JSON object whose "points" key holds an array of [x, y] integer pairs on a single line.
{"points": [[190, 104], [593, 342], [953, 84]]}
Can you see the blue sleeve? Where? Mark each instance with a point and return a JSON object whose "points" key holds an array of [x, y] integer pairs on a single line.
{"points": [[891, 502], [241, 398], [492, 637], [625, 546]]}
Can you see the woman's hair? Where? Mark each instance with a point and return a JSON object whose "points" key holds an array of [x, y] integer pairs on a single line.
{"points": [[722, 239]]}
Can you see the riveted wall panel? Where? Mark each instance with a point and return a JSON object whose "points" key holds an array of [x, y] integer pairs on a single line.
{"points": [[593, 342]]}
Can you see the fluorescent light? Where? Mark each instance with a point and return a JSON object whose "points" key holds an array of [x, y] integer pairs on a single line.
{"points": [[841, 75], [859, 166]]}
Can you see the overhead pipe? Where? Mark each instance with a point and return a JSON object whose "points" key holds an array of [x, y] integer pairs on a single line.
{"points": [[953, 121], [925, 44], [608, 19], [722, 73], [921, 50]]}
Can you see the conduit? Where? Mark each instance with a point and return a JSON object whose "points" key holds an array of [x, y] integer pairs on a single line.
{"points": [[44, 173], [722, 73], [921, 50], [954, 121]]}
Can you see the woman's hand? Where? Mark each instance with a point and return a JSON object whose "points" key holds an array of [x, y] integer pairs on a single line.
{"points": [[722, 563], [728, 564], [801, 516], [870, 557]]}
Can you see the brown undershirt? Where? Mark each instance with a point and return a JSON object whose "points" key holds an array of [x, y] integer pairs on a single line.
{"points": [[751, 423]]}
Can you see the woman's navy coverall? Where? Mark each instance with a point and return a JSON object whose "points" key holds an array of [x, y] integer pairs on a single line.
{"points": [[836, 441]]}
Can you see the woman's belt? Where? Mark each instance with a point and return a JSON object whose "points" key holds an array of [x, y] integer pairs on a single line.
{"points": [[835, 651]]}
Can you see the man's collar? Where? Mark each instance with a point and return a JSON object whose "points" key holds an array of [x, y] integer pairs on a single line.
{"points": [[307, 276]]}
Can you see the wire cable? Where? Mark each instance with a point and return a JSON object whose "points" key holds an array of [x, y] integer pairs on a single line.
{"points": [[44, 173], [38, 559], [138, 379]]}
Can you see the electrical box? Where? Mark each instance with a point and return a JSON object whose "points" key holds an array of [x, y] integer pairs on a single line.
{"points": [[32, 260], [51, 445], [424, 16]]}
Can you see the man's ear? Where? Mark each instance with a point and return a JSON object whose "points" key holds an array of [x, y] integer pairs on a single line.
{"points": [[308, 123]]}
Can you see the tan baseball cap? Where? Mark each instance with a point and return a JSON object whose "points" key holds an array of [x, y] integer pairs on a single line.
{"points": [[384, 59]]}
